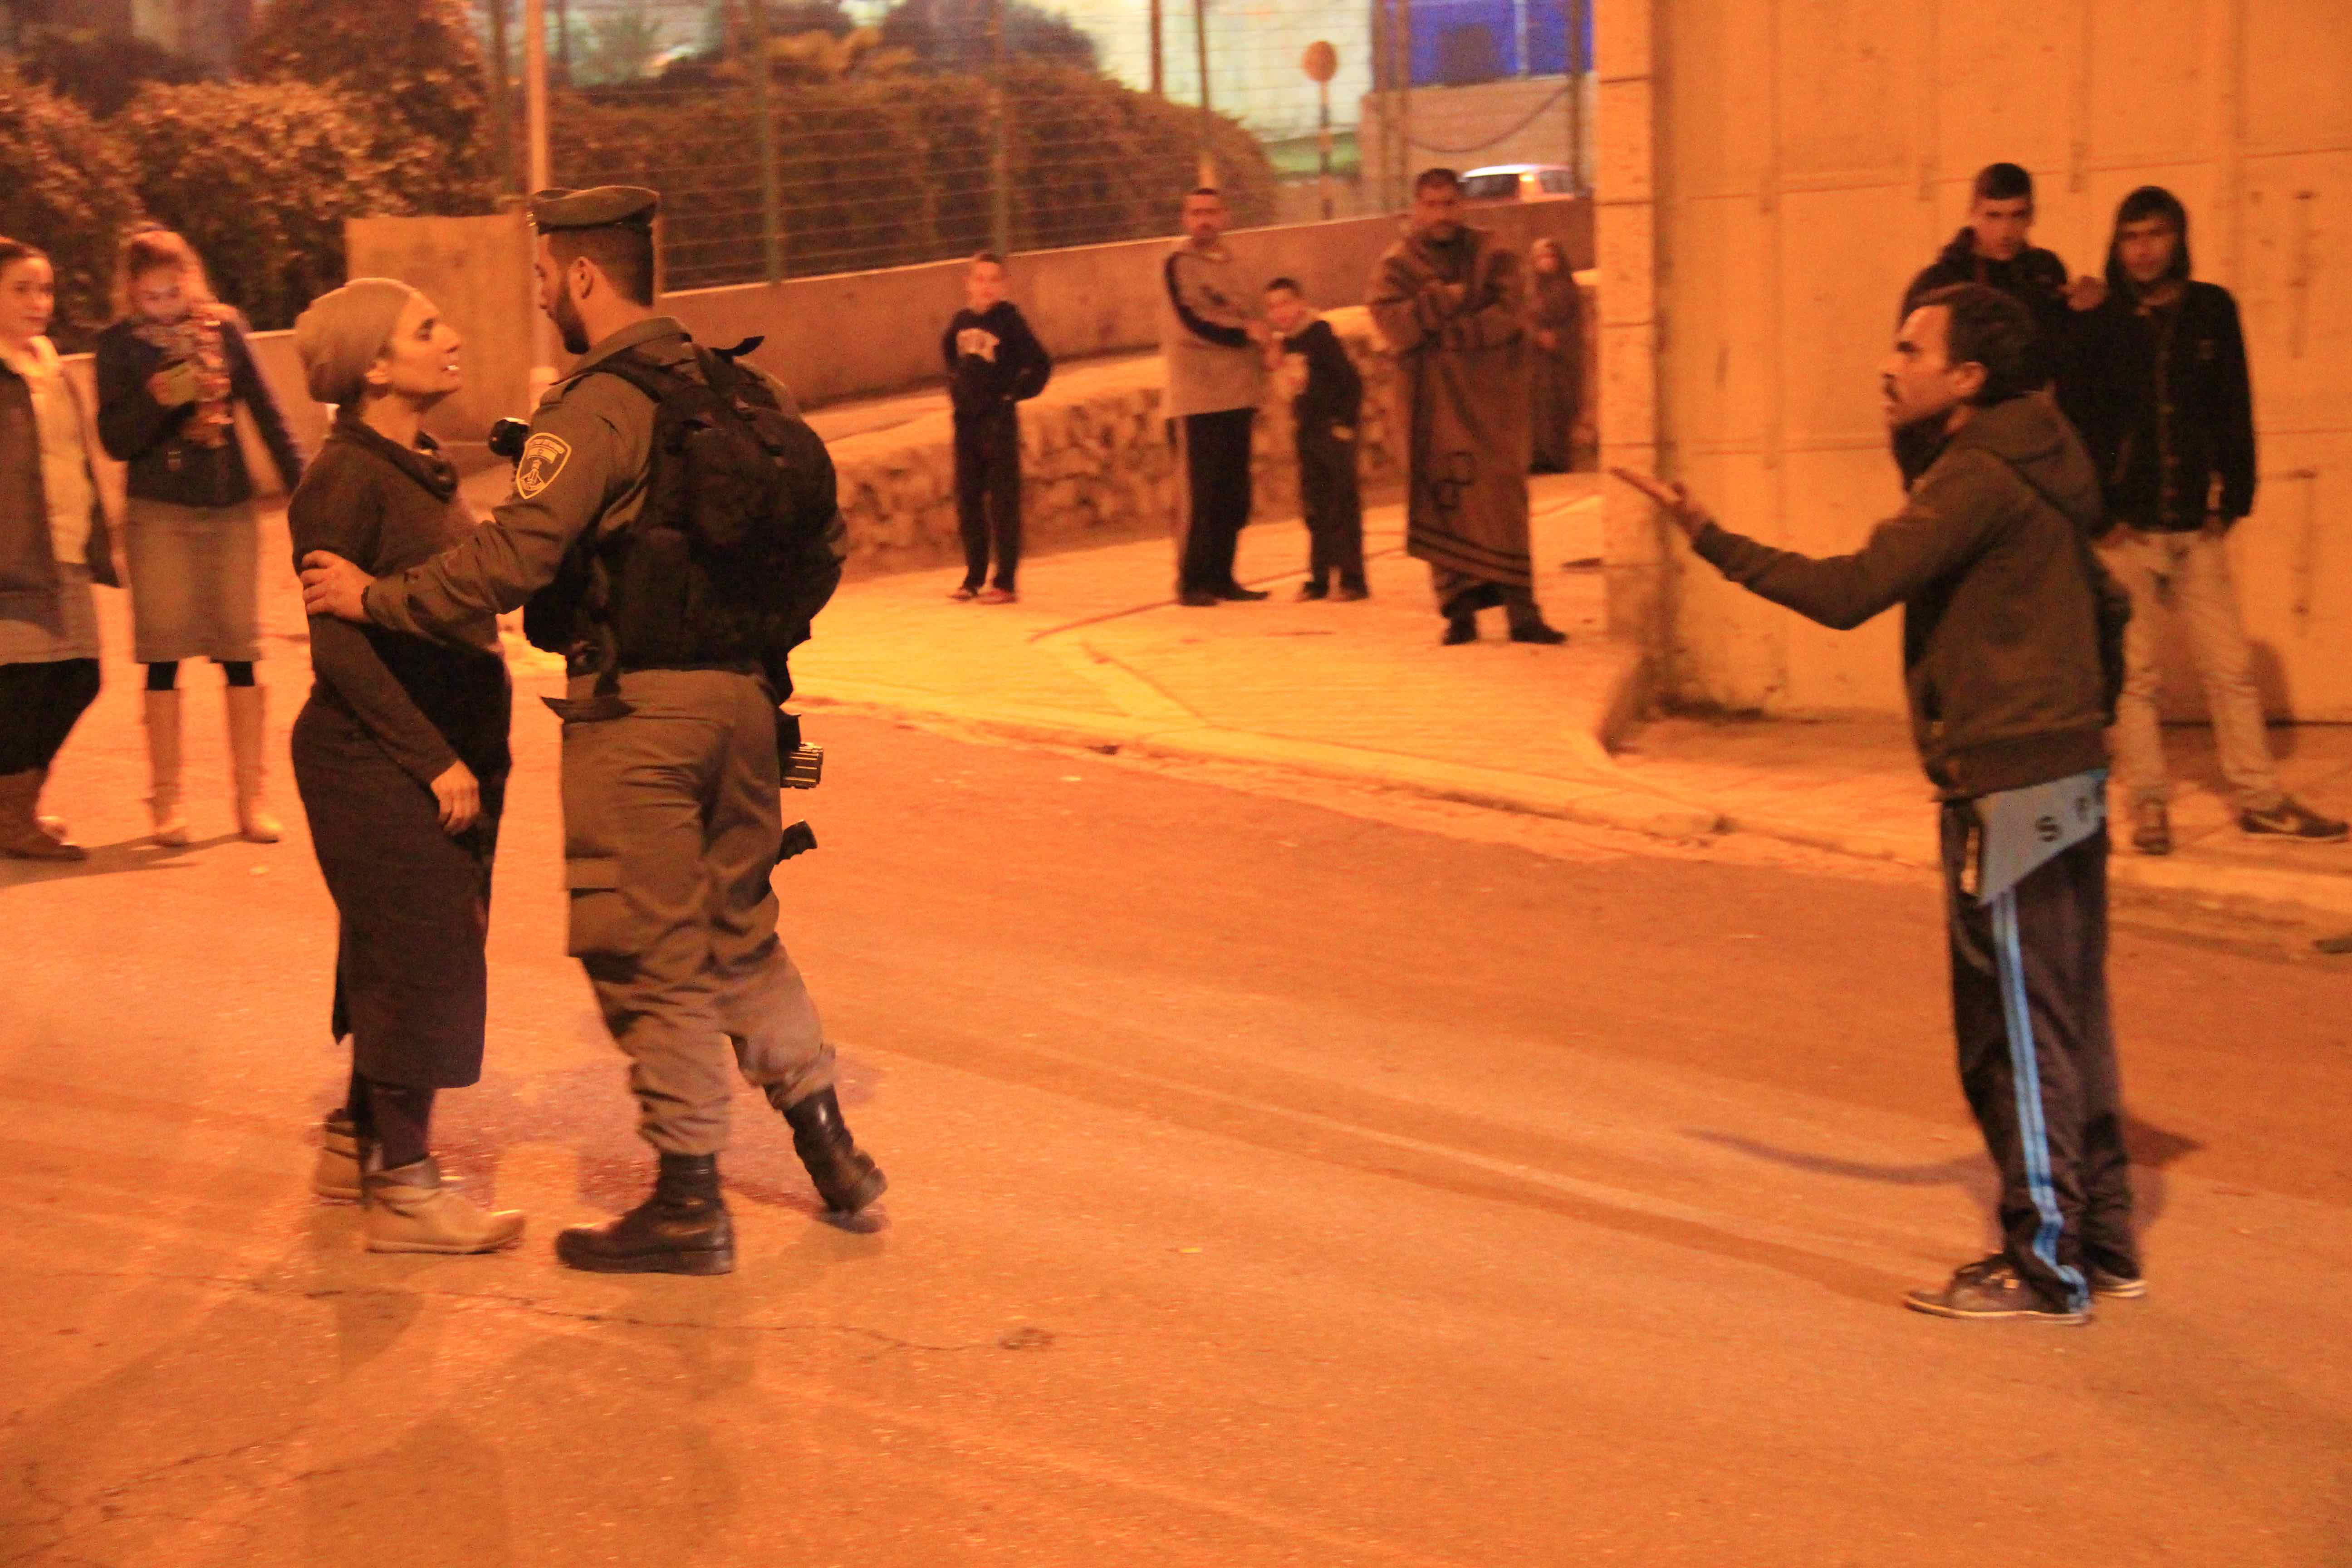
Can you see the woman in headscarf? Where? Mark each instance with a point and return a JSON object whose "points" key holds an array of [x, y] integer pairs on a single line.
{"points": [[53, 545], [401, 759], [1556, 326], [171, 374]]}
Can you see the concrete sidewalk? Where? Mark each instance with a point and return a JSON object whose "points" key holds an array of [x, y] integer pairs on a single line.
{"points": [[1096, 654]]}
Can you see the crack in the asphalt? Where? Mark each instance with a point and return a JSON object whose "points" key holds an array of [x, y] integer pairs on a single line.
{"points": [[1018, 1338], [111, 1507]]}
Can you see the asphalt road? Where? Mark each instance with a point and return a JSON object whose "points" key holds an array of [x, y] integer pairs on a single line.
{"points": [[1322, 1181]]}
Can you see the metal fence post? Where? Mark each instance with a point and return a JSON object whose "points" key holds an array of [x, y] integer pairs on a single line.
{"points": [[999, 161], [772, 227], [1200, 50]]}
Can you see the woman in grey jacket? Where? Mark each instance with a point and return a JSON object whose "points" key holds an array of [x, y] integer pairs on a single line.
{"points": [[53, 545], [171, 373]]}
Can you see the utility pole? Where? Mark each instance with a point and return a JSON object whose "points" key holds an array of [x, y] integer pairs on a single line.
{"points": [[1201, 49], [534, 101], [1158, 64], [1000, 165], [1402, 39], [1580, 17], [501, 91], [563, 43], [772, 217]]}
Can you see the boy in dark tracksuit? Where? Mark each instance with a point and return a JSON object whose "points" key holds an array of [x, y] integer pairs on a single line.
{"points": [[2011, 655], [995, 364], [1327, 396]]}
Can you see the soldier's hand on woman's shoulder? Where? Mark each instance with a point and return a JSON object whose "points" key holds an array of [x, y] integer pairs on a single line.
{"points": [[2087, 293]]}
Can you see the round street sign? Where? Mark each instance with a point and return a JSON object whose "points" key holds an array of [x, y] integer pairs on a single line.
{"points": [[1322, 61]]}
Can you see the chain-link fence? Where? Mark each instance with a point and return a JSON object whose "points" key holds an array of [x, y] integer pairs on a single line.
{"points": [[787, 137], [790, 138]]}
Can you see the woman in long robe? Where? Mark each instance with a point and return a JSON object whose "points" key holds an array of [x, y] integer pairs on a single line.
{"points": [[401, 759], [1556, 337]]}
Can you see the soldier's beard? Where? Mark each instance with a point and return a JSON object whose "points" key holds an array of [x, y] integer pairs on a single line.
{"points": [[568, 326]]}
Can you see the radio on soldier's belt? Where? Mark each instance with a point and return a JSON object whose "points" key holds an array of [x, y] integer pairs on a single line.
{"points": [[798, 763]]}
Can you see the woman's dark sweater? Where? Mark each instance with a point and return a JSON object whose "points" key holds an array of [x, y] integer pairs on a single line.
{"points": [[385, 508]]}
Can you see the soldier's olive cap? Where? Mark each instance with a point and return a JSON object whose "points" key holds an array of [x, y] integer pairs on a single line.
{"points": [[593, 209]]}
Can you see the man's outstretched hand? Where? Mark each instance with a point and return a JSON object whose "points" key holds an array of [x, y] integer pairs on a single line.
{"points": [[1673, 499], [333, 586]]}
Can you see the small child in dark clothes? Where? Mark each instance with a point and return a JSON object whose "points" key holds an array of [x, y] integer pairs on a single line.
{"points": [[1327, 395], [994, 364]]}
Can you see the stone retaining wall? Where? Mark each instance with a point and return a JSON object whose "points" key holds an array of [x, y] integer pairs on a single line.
{"points": [[1097, 463]]}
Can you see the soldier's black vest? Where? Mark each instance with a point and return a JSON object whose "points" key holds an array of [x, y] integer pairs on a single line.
{"points": [[731, 556]]}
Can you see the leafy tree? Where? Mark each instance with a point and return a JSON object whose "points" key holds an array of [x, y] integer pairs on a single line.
{"points": [[415, 68], [101, 72], [952, 35], [66, 187], [882, 171], [620, 45], [259, 176]]}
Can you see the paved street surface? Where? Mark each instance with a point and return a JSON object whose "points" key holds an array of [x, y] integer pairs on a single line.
{"points": [[1283, 1171]]}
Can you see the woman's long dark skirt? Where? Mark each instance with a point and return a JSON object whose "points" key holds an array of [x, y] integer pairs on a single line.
{"points": [[411, 980]]}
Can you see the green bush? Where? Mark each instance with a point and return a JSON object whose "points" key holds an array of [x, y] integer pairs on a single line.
{"points": [[66, 187], [891, 170], [259, 176], [416, 68]]}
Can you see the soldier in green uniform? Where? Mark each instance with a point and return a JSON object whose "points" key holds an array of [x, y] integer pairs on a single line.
{"points": [[670, 774]]}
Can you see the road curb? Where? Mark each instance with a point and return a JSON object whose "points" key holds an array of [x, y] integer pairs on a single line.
{"points": [[1603, 798]]}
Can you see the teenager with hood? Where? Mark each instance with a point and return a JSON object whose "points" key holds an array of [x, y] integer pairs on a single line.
{"points": [[2160, 393]]}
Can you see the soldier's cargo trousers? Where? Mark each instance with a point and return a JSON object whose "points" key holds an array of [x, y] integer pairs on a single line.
{"points": [[671, 823]]}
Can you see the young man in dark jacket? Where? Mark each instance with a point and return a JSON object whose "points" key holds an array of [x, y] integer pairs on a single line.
{"points": [[2007, 620], [1994, 248], [994, 364], [2159, 390], [1327, 396]]}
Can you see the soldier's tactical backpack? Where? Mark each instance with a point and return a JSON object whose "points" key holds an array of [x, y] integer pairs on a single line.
{"points": [[735, 550]]}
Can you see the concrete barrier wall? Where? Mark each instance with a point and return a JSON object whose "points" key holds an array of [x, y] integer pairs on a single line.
{"points": [[856, 334], [477, 271], [1772, 175]]}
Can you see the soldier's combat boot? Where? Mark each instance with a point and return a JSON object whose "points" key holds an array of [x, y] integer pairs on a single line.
{"points": [[682, 1228], [845, 1178]]}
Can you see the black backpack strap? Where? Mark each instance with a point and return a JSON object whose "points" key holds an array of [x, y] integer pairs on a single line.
{"points": [[655, 382]]}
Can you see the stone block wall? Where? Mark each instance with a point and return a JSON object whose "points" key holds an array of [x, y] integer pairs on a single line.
{"points": [[1096, 462]]}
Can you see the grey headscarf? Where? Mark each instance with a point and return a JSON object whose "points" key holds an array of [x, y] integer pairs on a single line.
{"points": [[344, 331]]}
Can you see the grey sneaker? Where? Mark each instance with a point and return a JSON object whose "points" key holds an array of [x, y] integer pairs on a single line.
{"points": [[2291, 819], [2152, 828], [1990, 1288], [2115, 1287]]}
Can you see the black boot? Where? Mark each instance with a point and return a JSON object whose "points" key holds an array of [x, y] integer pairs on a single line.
{"points": [[682, 1228], [845, 1178]]}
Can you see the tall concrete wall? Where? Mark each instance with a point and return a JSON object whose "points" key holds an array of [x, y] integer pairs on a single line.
{"points": [[1772, 171]]}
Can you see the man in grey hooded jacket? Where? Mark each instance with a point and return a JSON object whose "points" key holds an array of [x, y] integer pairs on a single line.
{"points": [[2011, 655]]}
